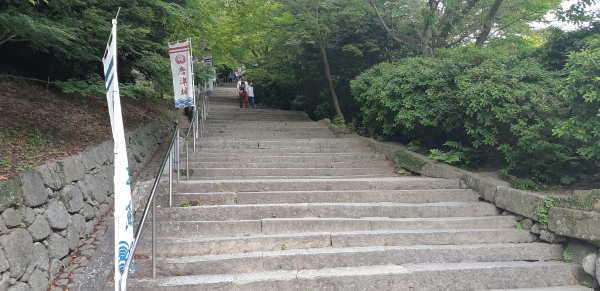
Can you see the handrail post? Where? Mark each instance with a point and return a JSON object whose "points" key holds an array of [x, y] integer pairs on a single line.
{"points": [[166, 162], [153, 237], [171, 178], [187, 160], [195, 126], [176, 156]]}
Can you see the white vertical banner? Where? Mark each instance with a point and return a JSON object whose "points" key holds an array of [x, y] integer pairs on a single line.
{"points": [[123, 215], [181, 67]]}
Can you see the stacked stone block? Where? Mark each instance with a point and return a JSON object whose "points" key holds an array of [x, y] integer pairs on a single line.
{"points": [[46, 213]]}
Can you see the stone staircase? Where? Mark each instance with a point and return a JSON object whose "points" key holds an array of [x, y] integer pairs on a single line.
{"points": [[276, 202]]}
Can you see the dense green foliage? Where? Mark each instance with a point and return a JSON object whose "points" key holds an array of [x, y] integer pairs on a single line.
{"points": [[581, 90], [485, 105], [64, 40], [426, 26], [468, 79]]}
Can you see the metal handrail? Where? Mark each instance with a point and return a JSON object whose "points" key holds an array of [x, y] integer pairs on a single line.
{"points": [[187, 136], [192, 124], [151, 202]]}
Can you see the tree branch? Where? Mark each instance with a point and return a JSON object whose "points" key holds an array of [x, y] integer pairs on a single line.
{"points": [[454, 18], [391, 34], [10, 38], [487, 25]]}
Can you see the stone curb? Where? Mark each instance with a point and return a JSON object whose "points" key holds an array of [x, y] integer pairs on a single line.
{"points": [[521, 202], [560, 223]]}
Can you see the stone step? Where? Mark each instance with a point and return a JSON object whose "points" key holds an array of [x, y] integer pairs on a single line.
{"points": [[264, 136], [249, 118], [453, 276], [260, 130], [359, 196], [338, 143], [356, 196], [555, 288], [323, 158], [237, 129], [292, 151], [262, 112], [182, 247], [248, 172], [231, 178], [347, 257], [326, 210], [267, 125], [198, 229], [386, 183], [254, 165]]}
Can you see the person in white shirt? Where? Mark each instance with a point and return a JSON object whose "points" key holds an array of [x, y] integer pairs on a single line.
{"points": [[242, 87], [251, 94]]}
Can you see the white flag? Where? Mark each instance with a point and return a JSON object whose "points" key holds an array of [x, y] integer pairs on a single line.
{"points": [[122, 210], [181, 67]]}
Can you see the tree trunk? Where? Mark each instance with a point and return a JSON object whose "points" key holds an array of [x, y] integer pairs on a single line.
{"points": [[487, 25], [336, 103]]}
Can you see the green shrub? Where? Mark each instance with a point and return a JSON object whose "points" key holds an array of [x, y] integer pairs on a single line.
{"points": [[512, 105], [492, 106], [416, 97], [581, 90]]}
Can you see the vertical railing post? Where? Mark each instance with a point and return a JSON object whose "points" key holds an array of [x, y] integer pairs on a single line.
{"points": [[153, 237], [171, 178], [187, 160], [176, 152], [195, 123], [117, 283]]}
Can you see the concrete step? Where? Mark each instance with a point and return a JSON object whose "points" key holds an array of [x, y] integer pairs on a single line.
{"points": [[291, 151], [265, 135], [453, 276], [181, 247], [356, 196], [338, 143], [359, 196], [266, 125], [387, 183], [347, 257], [198, 229], [257, 127], [252, 172], [249, 118], [306, 158], [555, 288], [263, 112], [238, 129], [232, 178], [326, 210], [255, 165], [428, 237]]}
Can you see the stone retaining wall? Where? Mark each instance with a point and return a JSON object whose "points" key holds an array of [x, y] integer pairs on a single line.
{"points": [[47, 213], [578, 228]]}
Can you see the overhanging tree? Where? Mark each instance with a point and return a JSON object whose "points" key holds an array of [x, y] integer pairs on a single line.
{"points": [[425, 26], [317, 22]]}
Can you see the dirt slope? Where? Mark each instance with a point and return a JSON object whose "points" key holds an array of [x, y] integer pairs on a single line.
{"points": [[37, 126]]}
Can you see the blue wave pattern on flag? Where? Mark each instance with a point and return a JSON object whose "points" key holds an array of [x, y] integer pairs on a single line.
{"points": [[183, 102], [123, 254]]}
